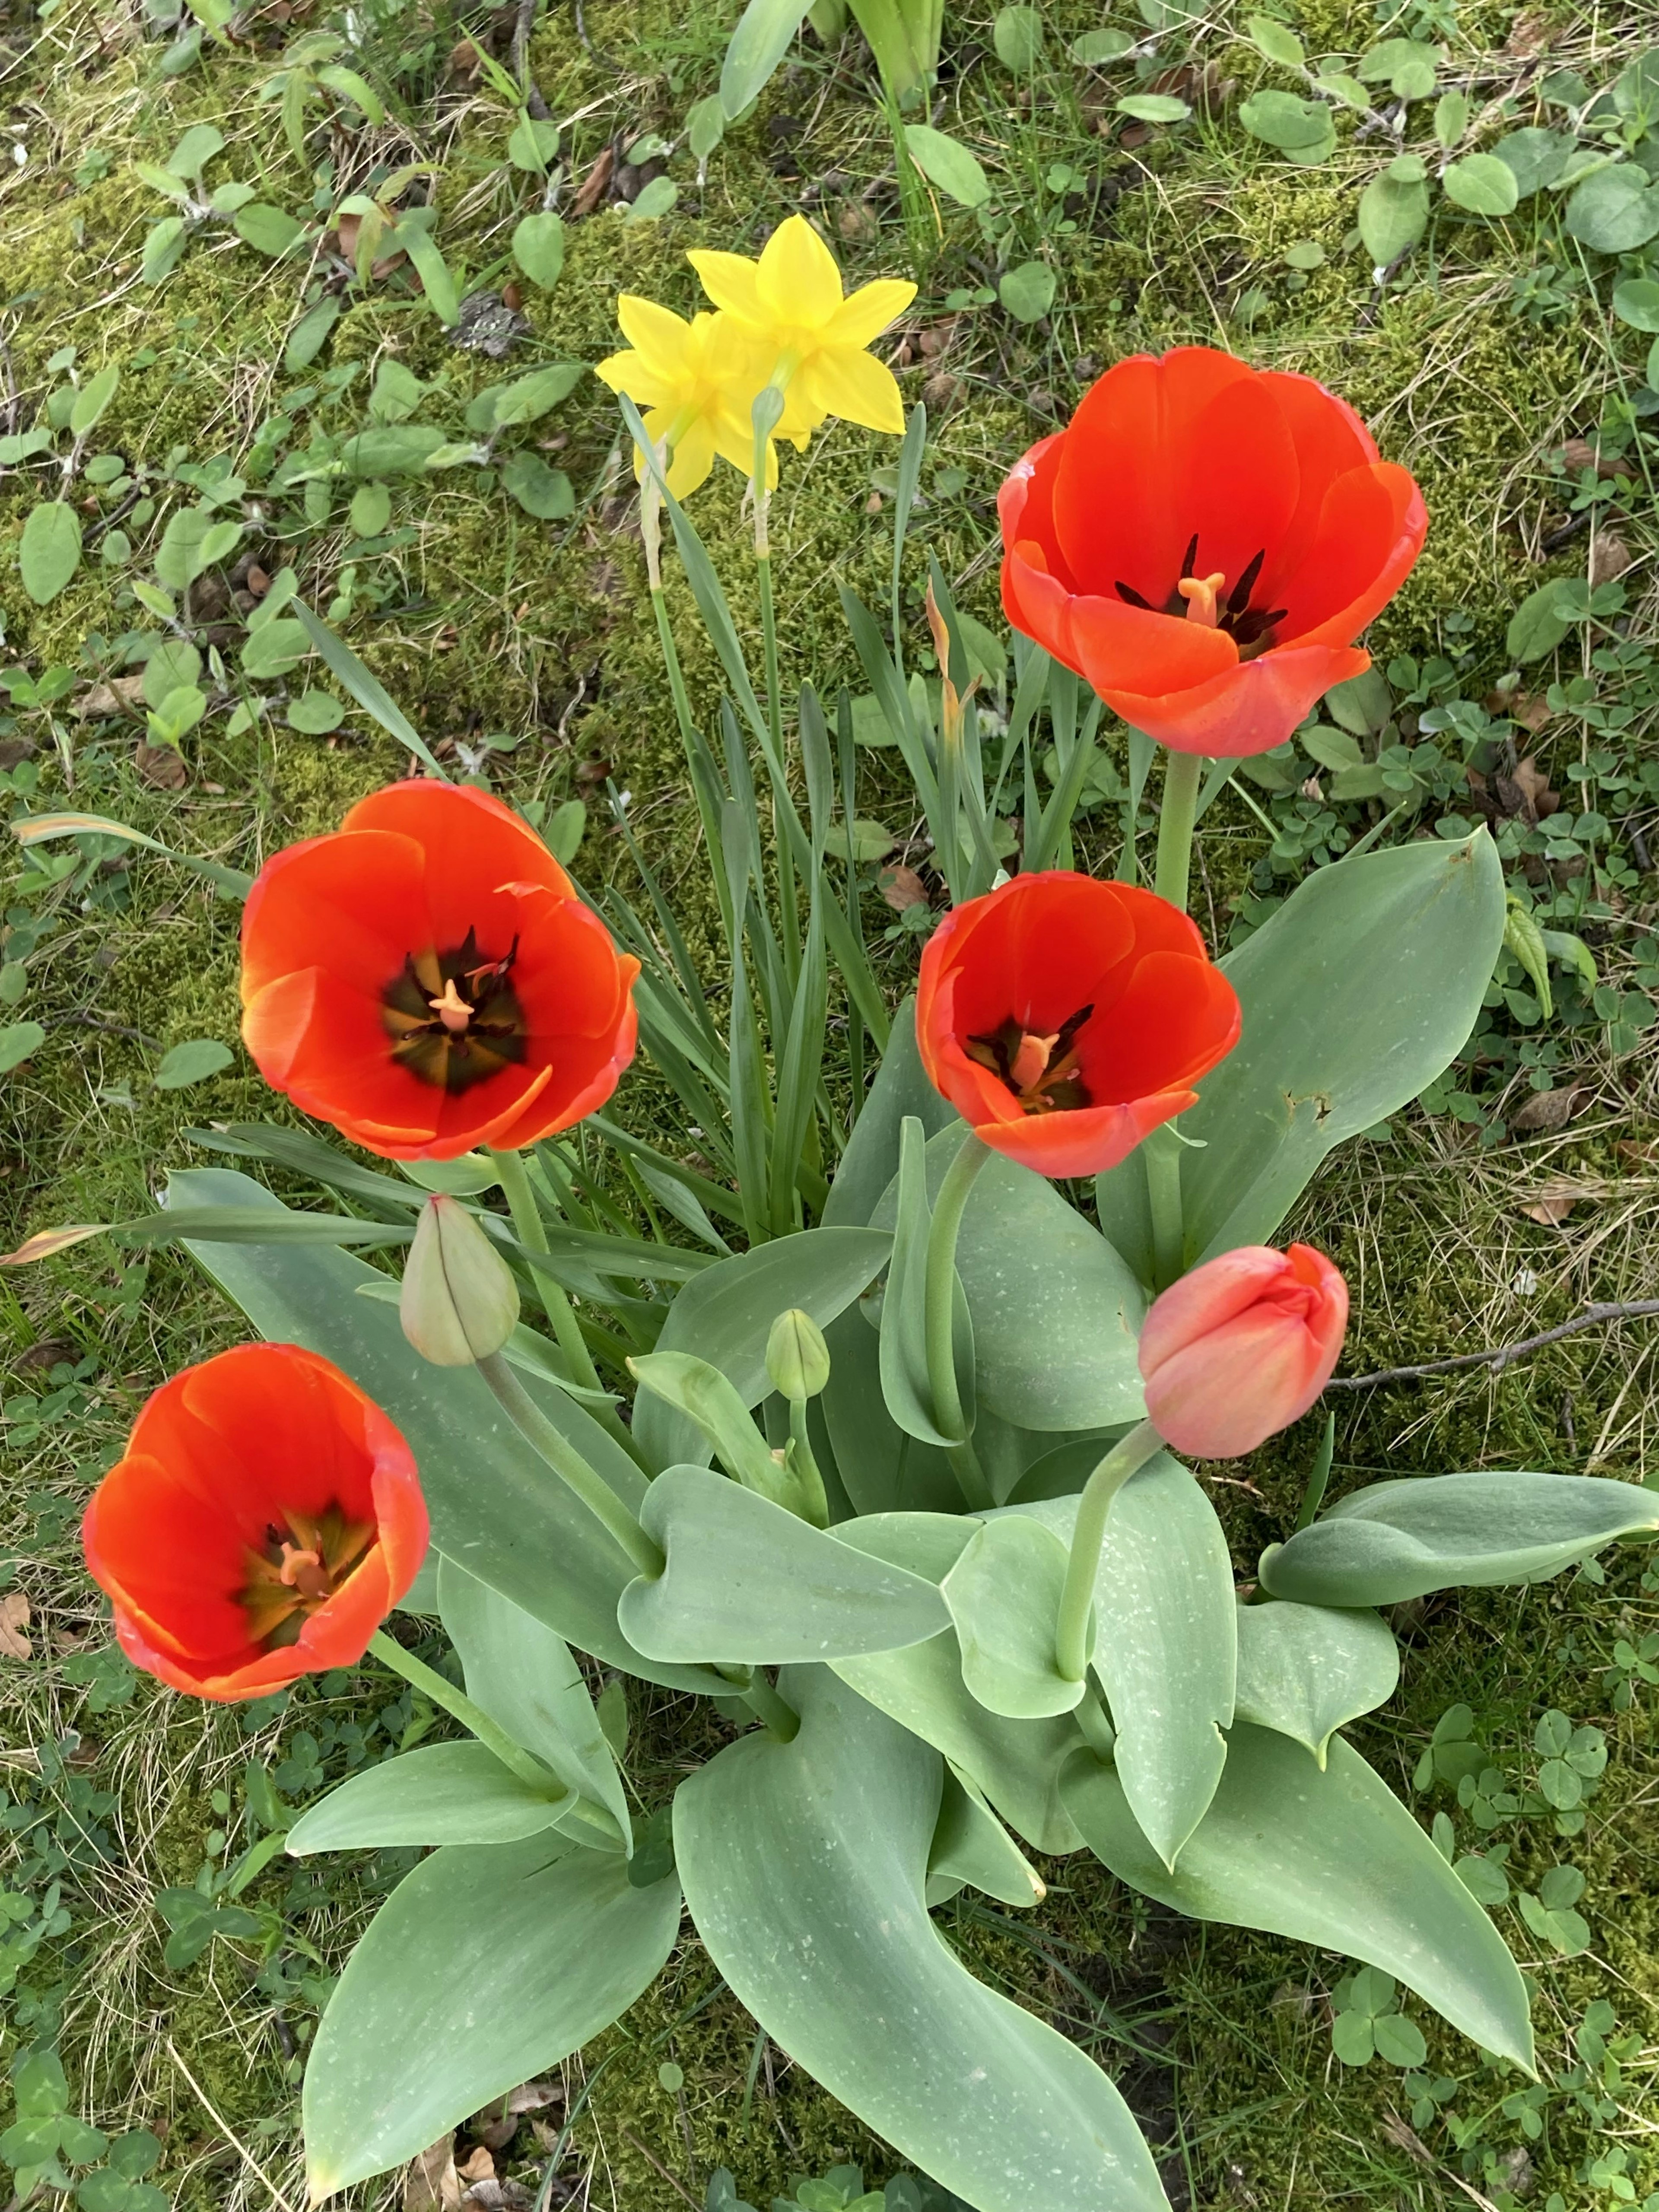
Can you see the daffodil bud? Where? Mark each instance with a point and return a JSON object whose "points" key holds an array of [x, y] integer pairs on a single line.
{"points": [[797, 1356], [459, 1301]]}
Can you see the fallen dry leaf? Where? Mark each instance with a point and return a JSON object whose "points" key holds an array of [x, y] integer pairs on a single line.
{"points": [[1533, 785], [14, 1620], [1530, 33], [1546, 1109], [940, 390], [901, 887], [595, 184], [46, 1242], [1580, 453], [161, 765], [481, 2166], [1609, 558], [431, 2184], [1405, 2137], [1554, 1200], [111, 698]]}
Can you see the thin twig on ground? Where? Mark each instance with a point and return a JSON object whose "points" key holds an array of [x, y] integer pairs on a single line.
{"points": [[1498, 1356]]}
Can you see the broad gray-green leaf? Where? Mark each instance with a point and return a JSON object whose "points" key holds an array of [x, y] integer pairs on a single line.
{"points": [[1393, 213], [872, 1158], [192, 541], [1355, 994], [804, 1867], [1483, 185], [538, 248], [882, 1469], [748, 1581], [523, 1676], [1395, 1540], [1330, 1857], [726, 1314], [945, 163], [50, 551], [1276, 41], [907, 1387], [274, 648], [486, 1965], [762, 37], [267, 230], [1166, 1642], [1015, 1762], [1535, 157], [1537, 626], [1636, 301], [1027, 291], [193, 1061], [1615, 211], [971, 1849], [442, 1793], [524, 399], [496, 1508], [1004, 1596], [1301, 129], [1305, 1669], [93, 398], [1055, 1310], [706, 1398], [544, 492]]}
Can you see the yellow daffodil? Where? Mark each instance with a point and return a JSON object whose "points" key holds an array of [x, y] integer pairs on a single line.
{"points": [[791, 301], [695, 383]]}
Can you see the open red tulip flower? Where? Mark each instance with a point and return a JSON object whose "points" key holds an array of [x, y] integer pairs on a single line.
{"points": [[1065, 1018], [428, 980], [1241, 1347], [1204, 543], [265, 1519]]}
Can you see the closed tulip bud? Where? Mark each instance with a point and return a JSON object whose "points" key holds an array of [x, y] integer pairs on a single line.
{"points": [[797, 1356], [1241, 1347], [459, 1301]]}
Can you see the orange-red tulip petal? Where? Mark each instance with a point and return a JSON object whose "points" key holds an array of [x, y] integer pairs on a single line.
{"points": [[1066, 1018], [1241, 1347], [428, 980], [1195, 467], [264, 1519]]}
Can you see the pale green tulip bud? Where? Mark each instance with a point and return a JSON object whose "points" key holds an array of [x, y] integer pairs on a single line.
{"points": [[459, 1301], [797, 1356]]}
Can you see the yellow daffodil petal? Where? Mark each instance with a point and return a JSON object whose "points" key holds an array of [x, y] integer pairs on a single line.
{"points": [[629, 372], [729, 280], [797, 281], [841, 380], [658, 335], [692, 458], [867, 313]]}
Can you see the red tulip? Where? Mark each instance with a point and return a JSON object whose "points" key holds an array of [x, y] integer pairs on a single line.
{"points": [[265, 1518], [1241, 1347], [1064, 1019], [428, 980], [1204, 544]]}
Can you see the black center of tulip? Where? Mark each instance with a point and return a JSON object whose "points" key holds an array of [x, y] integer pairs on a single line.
{"points": [[454, 1019], [1041, 1071], [1249, 628]]}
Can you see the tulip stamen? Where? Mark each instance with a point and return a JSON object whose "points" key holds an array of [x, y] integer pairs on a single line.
{"points": [[454, 1017], [301, 1565], [1042, 1071], [1197, 598]]}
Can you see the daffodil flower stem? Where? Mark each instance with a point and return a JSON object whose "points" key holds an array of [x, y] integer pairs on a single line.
{"points": [[531, 1232], [938, 1316], [676, 674], [1128, 1454], [568, 1463], [443, 1693], [1160, 1154], [1179, 811], [785, 865]]}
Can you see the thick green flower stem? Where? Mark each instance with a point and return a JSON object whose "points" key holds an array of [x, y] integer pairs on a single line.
{"points": [[1129, 1454], [1179, 811], [804, 1467], [782, 1720], [531, 1232], [938, 1301], [456, 1703], [568, 1463], [1160, 1154]]}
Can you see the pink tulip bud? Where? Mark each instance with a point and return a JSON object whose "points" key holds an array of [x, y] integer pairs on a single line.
{"points": [[1241, 1347]]}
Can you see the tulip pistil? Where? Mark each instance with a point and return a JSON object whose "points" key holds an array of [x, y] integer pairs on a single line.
{"points": [[1198, 598], [1042, 1071], [300, 1566], [454, 1017]]}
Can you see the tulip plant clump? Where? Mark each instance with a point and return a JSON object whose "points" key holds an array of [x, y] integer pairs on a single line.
{"points": [[903, 1483]]}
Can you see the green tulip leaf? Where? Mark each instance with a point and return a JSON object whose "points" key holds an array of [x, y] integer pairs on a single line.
{"points": [[881, 1468], [872, 1158], [1055, 1311], [492, 1501], [1395, 1540], [1355, 994], [442, 1793], [804, 1867], [972, 1850], [523, 1676], [906, 1385], [725, 1314], [747, 1582], [1325, 1856], [1305, 1669], [1166, 1644], [486, 1965], [1004, 1596]]}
